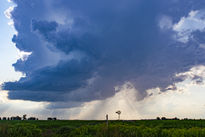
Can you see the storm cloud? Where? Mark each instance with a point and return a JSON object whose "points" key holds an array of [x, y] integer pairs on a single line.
{"points": [[81, 50]]}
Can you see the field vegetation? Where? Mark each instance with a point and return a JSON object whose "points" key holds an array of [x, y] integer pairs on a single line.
{"points": [[78, 128]]}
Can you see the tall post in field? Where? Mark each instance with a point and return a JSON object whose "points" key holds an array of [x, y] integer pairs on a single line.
{"points": [[107, 120]]}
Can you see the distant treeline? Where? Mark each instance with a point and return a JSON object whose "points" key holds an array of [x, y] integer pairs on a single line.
{"points": [[54, 118], [24, 118]]}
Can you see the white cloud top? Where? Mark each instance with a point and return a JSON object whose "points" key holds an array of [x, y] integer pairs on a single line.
{"points": [[195, 21]]}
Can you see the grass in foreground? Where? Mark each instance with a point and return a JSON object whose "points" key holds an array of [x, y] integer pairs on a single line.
{"points": [[78, 128]]}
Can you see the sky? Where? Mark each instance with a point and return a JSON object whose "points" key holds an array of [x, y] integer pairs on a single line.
{"points": [[7, 47], [85, 59]]}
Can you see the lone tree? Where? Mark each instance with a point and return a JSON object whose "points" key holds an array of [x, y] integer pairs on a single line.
{"points": [[118, 112]]}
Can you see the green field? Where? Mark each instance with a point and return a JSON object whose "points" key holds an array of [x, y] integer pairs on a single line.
{"points": [[79, 128]]}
